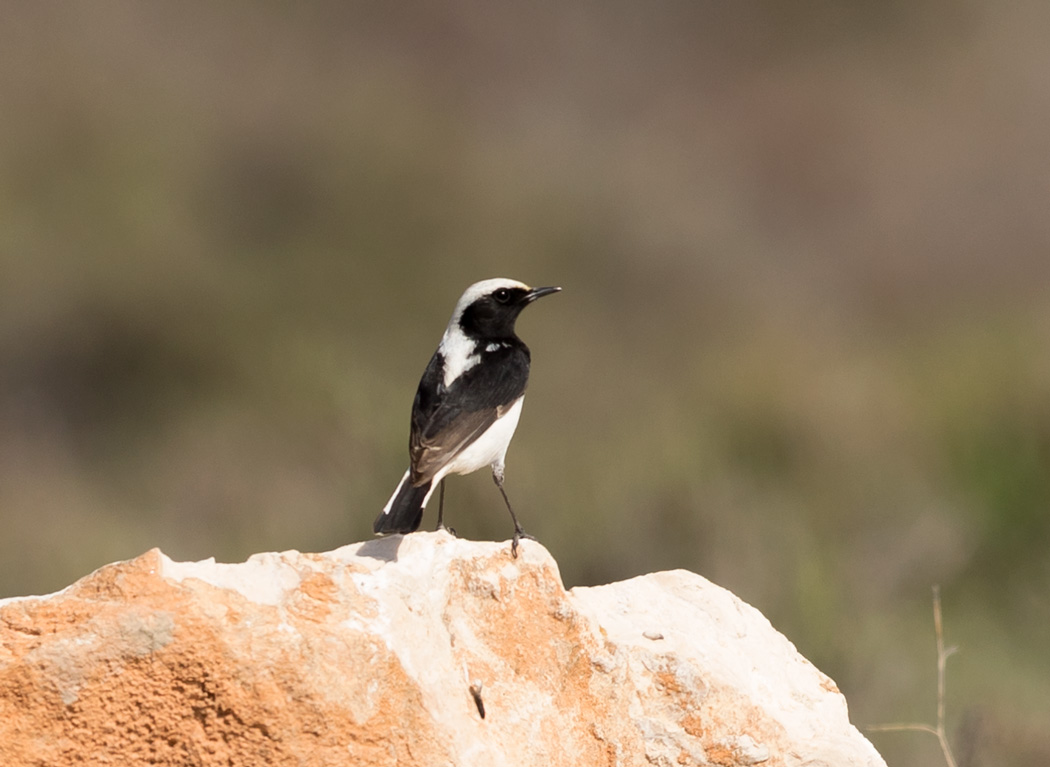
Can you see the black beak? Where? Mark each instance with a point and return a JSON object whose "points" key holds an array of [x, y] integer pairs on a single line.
{"points": [[535, 293]]}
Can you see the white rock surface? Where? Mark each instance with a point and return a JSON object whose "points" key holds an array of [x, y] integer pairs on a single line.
{"points": [[770, 704]]}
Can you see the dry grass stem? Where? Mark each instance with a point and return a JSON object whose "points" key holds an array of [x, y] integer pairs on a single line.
{"points": [[942, 657]]}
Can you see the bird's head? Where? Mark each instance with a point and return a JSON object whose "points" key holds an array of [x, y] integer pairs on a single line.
{"points": [[488, 309]]}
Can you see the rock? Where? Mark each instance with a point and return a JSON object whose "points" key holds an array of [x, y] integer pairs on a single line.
{"points": [[417, 650]]}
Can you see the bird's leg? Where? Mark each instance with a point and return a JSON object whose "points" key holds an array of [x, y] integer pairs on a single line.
{"points": [[497, 477], [441, 510]]}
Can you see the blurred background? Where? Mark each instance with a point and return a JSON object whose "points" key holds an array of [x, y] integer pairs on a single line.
{"points": [[803, 346]]}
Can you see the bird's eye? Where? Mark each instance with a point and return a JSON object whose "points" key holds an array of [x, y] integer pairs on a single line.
{"points": [[502, 295]]}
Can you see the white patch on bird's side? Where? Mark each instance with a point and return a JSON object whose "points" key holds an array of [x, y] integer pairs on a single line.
{"points": [[495, 347], [490, 449], [459, 352]]}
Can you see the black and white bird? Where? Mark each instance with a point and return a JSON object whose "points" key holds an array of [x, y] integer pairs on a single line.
{"points": [[468, 402]]}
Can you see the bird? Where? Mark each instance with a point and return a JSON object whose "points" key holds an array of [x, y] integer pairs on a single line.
{"points": [[467, 404]]}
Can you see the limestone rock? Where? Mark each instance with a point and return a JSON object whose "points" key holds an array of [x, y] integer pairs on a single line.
{"points": [[387, 652]]}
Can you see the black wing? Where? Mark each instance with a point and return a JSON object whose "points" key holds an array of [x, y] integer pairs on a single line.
{"points": [[445, 421]]}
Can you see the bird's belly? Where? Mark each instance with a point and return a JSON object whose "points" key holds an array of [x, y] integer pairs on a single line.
{"points": [[490, 447]]}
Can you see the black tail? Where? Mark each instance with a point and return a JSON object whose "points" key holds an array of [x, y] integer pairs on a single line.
{"points": [[404, 511]]}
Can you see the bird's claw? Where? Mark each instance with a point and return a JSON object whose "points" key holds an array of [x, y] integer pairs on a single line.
{"points": [[518, 535]]}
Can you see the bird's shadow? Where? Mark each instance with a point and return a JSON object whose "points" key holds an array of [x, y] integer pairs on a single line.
{"points": [[382, 548]]}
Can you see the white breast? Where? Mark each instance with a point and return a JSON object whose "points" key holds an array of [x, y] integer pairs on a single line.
{"points": [[489, 449]]}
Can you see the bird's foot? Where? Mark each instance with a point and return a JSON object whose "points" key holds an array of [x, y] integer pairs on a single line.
{"points": [[518, 535], [450, 530]]}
